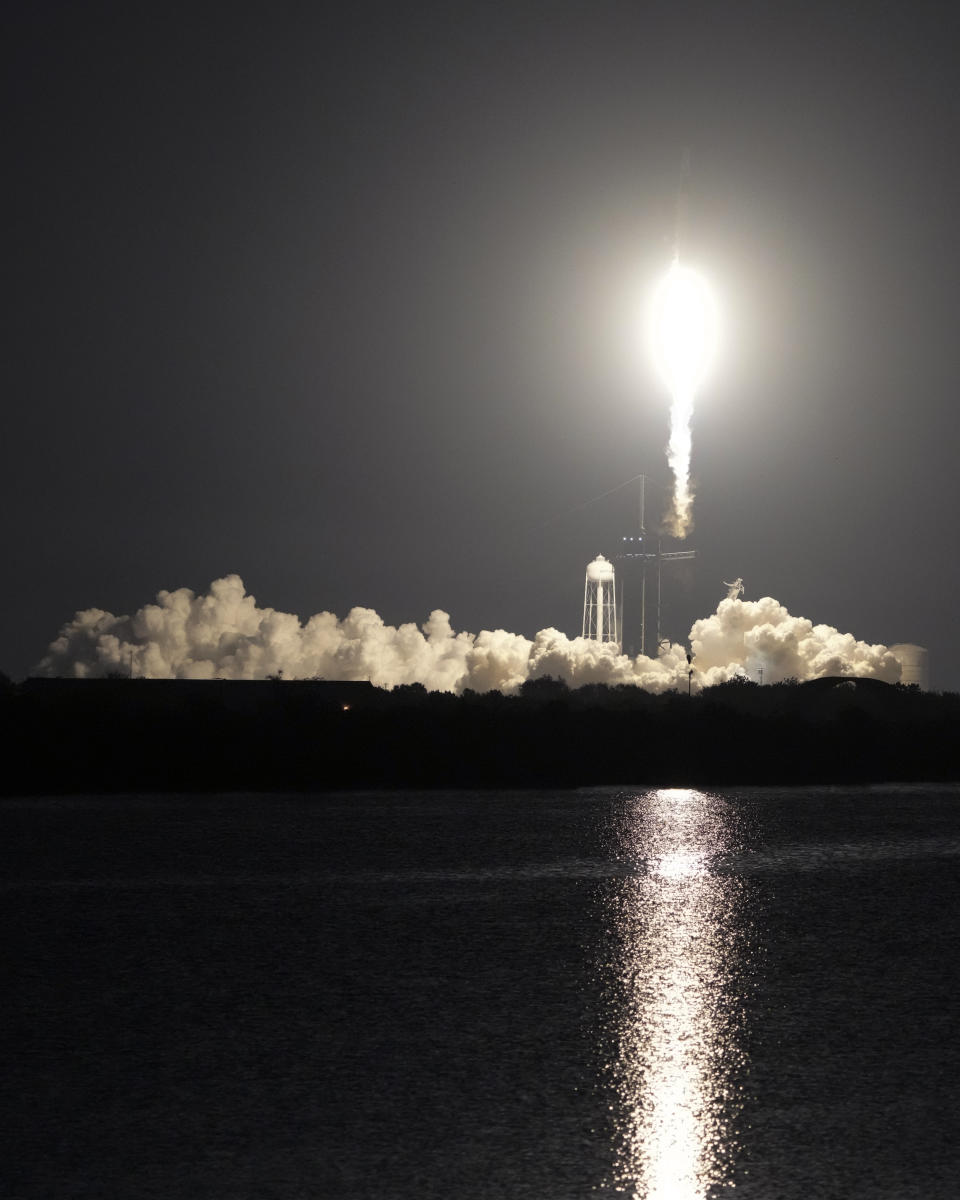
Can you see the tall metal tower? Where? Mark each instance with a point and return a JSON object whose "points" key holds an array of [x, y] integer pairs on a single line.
{"points": [[649, 552], [600, 602]]}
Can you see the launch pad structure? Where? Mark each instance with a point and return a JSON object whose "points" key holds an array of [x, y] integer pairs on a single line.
{"points": [[635, 549]]}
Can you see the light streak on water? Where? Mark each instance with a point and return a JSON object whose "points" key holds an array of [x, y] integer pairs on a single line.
{"points": [[677, 1024]]}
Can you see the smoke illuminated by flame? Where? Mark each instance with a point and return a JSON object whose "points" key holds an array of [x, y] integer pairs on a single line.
{"points": [[685, 337], [225, 634]]}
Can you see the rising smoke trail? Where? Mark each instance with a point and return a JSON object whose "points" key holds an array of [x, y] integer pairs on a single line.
{"points": [[226, 635], [679, 517], [685, 337]]}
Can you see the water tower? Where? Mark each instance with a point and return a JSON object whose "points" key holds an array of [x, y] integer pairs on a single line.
{"points": [[600, 602]]}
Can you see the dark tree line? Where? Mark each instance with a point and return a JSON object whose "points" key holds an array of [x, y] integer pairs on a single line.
{"points": [[139, 735]]}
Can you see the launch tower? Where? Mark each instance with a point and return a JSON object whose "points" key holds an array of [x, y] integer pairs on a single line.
{"points": [[649, 552]]}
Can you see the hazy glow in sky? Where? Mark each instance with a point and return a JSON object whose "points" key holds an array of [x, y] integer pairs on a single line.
{"points": [[401, 272]]}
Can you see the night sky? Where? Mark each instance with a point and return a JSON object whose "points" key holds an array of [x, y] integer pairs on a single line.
{"points": [[352, 303]]}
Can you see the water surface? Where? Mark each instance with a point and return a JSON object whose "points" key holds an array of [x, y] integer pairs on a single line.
{"points": [[652, 993]]}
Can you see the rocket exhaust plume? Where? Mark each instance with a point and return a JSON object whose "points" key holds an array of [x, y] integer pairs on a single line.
{"points": [[227, 635], [685, 338], [679, 517]]}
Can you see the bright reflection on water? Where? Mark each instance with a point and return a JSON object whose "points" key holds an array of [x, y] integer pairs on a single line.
{"points": [[679, 963]]}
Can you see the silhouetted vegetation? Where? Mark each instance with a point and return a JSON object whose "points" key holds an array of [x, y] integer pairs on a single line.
{"points": [[115, 735]]}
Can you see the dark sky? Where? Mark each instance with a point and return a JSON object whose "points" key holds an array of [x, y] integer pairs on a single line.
{"points": [[351, 303]]}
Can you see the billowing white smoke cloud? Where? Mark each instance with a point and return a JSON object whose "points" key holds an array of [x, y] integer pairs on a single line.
{"points": [[224, 635], [743, 636]]}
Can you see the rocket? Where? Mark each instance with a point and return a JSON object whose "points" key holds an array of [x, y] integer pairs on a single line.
{"points": [[680, 213]]}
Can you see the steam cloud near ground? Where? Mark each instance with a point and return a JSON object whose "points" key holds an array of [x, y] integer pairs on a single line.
{"points": [[225, 635]]}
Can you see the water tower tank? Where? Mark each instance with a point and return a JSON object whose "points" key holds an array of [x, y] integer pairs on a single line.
{"points": [[600, 570], [914, 664]]}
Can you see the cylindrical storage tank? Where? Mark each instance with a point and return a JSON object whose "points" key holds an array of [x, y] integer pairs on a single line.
{"points": [[600, 570], [914, 664]]}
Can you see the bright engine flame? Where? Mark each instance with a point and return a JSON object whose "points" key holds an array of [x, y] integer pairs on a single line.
{"points": [[685, 335], [686, 329]]}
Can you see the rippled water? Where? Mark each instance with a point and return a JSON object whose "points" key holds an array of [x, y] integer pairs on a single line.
{"points": [[683, 953], [652, 993]]}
